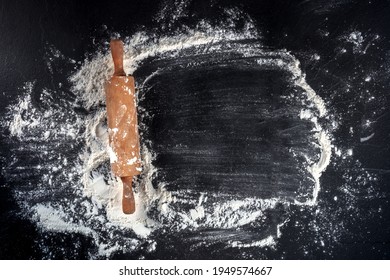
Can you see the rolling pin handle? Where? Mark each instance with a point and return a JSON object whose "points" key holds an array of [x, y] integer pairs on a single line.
{"points": [[128, 202], [116, 46]]}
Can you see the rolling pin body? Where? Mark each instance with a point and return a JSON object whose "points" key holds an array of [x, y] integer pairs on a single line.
{"points": [[122, 126]]}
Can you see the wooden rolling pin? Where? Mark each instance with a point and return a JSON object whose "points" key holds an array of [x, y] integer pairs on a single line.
{"points": [[122, 127]]}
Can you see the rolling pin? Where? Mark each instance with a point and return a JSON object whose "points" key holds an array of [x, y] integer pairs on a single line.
{"points": [[123, 135]]}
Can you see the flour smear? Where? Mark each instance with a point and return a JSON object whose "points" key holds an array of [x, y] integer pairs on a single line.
{"points": [[92, 206]]}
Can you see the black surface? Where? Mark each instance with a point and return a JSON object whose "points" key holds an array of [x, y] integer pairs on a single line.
{"points": [[78, 28]]}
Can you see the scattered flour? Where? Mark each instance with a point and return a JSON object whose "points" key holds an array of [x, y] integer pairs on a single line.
{"points": [[360, 42], [266, 242], [53, 219]]}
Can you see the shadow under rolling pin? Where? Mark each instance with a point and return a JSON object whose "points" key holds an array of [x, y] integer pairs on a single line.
{"points": [[122, 126]]}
